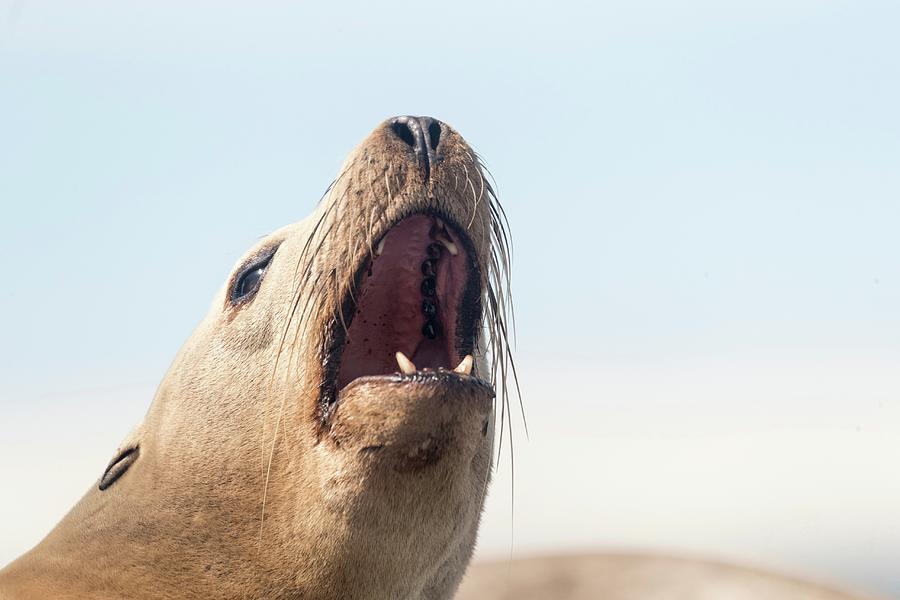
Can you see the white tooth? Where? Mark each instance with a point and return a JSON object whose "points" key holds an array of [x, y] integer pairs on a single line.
{"points": [[465, 367], [451, 247], [379, 247], [406, 365]]}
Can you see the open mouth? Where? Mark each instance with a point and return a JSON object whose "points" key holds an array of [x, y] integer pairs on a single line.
{"points": [[415, 308]]}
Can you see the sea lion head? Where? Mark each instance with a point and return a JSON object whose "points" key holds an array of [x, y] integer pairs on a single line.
{"points": [[290, 451]]}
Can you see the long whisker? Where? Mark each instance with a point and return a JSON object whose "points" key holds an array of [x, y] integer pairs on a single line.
{"points": [[297, 293], [320, 287]]}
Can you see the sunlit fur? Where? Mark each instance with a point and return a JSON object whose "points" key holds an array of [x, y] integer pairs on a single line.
{"points": [[242, 489]]}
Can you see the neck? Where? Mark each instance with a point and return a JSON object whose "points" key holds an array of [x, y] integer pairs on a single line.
{"points": [[121, 546]]}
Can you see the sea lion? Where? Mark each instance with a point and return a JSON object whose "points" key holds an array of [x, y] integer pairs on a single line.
{"points": [[327, 430], [633, 577]]}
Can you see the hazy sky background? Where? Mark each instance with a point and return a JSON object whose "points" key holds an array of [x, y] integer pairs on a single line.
{"points": [[705, 204]]}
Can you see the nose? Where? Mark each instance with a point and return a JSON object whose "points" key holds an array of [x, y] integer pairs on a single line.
{"points": [[422, 134]]}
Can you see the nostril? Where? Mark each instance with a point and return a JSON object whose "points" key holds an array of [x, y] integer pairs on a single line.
{"points": [[422, 135], [434, 134], [403, 131]]}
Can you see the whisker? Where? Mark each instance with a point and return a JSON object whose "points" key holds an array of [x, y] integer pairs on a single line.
{"points": [[297, 294], [325, 277]]}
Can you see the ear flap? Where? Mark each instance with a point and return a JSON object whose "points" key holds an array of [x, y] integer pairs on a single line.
{"points": [[126, 455]]}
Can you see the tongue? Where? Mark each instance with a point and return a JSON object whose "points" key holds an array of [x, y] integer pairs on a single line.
{"points": [[432, 354]]}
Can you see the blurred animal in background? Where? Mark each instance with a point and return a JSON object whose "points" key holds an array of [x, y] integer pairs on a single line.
{"points": [[632, 577]]}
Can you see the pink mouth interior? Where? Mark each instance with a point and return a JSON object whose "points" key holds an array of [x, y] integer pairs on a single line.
{"points": [[392, 304]]}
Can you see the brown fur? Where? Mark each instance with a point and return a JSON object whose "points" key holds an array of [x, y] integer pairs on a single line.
{"points": [[240, 490]]}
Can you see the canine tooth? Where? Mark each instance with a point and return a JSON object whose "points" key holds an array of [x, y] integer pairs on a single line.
{"points": [[379, 247], [450, 246], [465, 367], [406, 365]]}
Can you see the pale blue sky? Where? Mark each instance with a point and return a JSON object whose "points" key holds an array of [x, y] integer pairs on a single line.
{"points": [[712, 184]]}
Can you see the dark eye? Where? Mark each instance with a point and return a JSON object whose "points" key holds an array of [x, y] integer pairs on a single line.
{"points": [[248, 282]]}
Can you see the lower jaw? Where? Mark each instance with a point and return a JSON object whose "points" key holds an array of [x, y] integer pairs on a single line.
{"points": [[411, 412]]}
